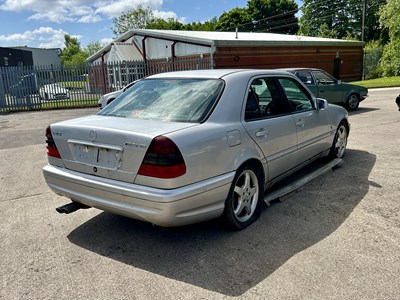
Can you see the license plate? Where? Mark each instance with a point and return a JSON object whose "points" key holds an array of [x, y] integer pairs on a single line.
{"points": [[107, 157]]}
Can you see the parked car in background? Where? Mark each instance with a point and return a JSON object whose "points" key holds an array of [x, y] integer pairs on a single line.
{"points": [[325, 86], [108, 98], [23, 86], [53, 91], [184, 147]]}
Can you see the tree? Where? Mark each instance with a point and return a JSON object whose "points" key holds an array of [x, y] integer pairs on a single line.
{"points": [[342, 18], [273, 16], [72, 54], [138, 18], [372, 28], [320, 16], [228, 21], [92, 48], [143, 18], [325, 32], [390, 19], [209, 25], [169, 24]]}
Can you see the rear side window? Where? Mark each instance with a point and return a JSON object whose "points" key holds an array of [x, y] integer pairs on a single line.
{"points": [[305, 77], [323, 78], [177, 100]]}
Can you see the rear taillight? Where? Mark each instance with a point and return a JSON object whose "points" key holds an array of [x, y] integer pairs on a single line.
{"points": [[51, 146], [163, 160]]}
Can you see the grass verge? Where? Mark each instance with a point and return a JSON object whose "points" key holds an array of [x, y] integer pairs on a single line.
{"points": [[379, 82]]}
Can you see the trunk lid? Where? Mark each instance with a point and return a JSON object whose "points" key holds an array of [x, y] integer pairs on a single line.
{"points": [[109, 147]]}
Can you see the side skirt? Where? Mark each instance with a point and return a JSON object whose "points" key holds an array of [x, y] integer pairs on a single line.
{"points": [[297, 183]]}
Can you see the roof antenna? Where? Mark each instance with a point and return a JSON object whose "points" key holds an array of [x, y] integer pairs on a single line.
{"points": [[237, 30]]}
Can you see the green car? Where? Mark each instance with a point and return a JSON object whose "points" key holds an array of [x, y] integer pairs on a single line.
{"points": [[325, 86]]}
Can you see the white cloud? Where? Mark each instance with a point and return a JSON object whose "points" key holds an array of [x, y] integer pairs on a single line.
{"points": [[106, 41], [71, 11], [165, 14], [48, 37], [90, 19], [114, 8], [52, 16], [85, 11]]}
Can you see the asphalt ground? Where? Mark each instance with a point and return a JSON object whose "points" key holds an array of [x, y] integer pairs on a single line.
{"points": [[338, 237]]}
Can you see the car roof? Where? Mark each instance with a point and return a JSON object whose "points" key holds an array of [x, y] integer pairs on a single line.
{"points": [[300, 69], [217, 73]]}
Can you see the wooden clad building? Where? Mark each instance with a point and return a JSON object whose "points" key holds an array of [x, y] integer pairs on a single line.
{"points": [[343, 59]]}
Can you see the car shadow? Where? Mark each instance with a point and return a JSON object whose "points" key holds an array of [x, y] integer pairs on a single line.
{"points": [[362, 110], [208, 256]]}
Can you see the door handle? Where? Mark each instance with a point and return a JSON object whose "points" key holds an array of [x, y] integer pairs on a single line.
{"points": [[261, 133], [300, 123]]}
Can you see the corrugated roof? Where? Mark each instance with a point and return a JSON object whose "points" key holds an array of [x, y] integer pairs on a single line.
{"points": [[124, 52]]}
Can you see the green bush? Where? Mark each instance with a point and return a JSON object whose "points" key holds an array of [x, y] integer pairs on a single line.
{"points": [[373, 53], [390, 61]]}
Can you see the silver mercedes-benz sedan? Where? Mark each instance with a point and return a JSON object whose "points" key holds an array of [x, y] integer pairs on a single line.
{"points": [[184, 147]]}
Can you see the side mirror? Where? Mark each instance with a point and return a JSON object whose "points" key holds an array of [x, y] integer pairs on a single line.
{"points": [[339, 82], [322, 104]]}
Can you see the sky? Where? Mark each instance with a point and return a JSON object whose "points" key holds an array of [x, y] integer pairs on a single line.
{"points": [[43, 23]]}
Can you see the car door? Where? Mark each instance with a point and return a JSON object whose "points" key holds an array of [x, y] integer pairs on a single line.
{"points": [[312, 127], [328, 87], [274, 132]]}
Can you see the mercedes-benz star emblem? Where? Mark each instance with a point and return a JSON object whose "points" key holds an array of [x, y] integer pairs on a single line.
{"points": [[92, 135]]}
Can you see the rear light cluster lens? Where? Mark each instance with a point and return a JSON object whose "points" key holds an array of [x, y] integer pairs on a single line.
{"points": [[51, 146], [163, 160]]}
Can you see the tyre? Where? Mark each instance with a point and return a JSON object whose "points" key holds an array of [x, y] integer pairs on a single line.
{"points": [[340, 142], [352, 102], [245, 198]]}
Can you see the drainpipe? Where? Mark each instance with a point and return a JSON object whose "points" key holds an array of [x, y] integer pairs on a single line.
{"points": [[103, 75], [144, 48], [173, 54], [144, 55], [212, 50]]}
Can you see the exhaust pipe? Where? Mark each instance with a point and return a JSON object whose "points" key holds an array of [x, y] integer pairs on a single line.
{"points": [[71, 207]]}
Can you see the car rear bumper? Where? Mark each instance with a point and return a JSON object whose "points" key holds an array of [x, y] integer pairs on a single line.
{"points": [[185, 205]]}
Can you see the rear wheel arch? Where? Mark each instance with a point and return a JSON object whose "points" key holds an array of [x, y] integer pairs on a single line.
{"points": [[110, 100], [257, 164]]}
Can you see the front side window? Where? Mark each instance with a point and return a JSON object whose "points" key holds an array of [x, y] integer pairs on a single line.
{"points": [[176, 100], [299, 99], [265, 99]]}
